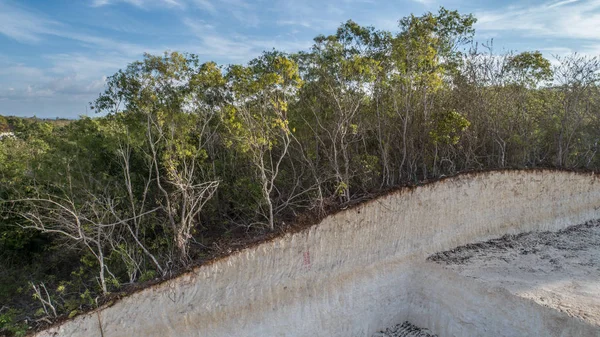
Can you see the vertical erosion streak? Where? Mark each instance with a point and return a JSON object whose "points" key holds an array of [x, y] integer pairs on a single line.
{"points": [[100, 324]]}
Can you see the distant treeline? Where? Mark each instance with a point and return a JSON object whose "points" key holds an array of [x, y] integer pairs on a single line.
{"points": [[190, 156], [9, 123]]}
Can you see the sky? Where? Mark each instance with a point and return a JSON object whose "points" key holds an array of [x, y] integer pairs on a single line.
{"points": [[55, 55]]}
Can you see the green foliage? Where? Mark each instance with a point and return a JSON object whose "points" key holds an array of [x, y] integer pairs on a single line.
{"points": [[448, 125], [530, 68], [9, 323], [148, 275], [427, 46], [4, 126]]}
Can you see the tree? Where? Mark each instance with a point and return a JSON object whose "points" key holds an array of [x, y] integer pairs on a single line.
{"points": [[164, 93], [4, 127], [425, 53], [260, 125], [340, 75], [529, 69], [578, 78]]}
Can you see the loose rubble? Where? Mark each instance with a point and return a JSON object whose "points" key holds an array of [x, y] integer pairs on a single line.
{"points": [[574, 239], [405, 329]]}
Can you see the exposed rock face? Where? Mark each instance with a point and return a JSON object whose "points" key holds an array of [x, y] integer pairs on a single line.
{"points": [[559, 270], [364, 269]]}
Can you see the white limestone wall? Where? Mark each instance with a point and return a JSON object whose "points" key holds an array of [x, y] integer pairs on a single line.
{"points": [[452, 305], [353, 273]]}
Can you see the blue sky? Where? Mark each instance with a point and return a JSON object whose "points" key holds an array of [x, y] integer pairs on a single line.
{"points": [[56, 54]]}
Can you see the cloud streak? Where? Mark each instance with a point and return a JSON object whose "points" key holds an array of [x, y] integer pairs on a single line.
{"points": [[138, 3], [569, 19], [30, 27], [236, 48], [22, 25]]}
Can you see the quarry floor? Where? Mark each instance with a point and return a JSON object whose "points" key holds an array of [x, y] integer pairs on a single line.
{"points": [[558, 270]]}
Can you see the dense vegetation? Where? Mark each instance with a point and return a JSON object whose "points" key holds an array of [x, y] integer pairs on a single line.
{"points": [[188, 157]]}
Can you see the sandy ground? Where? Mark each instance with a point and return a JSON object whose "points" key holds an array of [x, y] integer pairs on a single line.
{"points": [[405, 329], [560, 270]]}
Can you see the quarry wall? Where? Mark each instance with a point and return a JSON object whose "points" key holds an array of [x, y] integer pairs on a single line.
{"points": [[363, 269]]}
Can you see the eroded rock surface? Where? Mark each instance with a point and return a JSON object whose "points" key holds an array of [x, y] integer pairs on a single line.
{"points": [[560, 270]]}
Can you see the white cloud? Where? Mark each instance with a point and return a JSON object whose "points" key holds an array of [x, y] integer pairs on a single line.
{"points": [[237, 48], [303, 23], [318, 16], [238, 4], [100, 3], [206, 5], [27, 26], [563, 19], [561, 3], [20, 71], [70, 77], [86, 66], [425, 2], [22, 25], [139, 3], [68, 88]]}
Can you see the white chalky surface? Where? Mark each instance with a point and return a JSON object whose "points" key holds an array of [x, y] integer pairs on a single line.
{"points": [[560, 270]]}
